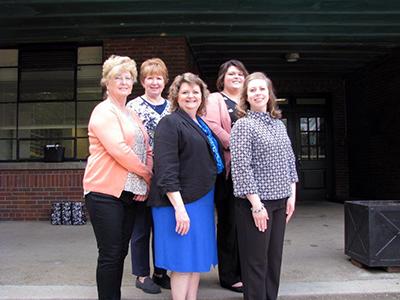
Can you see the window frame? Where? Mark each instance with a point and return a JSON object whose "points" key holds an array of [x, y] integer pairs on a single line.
{"points": [[18, 139]]}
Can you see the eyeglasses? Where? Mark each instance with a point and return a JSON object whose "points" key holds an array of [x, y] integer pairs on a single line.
{"points": [[122, 79]]}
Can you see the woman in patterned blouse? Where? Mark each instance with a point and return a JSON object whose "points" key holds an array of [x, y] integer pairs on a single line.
{"points": [[150, 107], [264, 173]]}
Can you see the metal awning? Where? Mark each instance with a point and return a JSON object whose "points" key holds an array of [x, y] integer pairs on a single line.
{"points": [[331, 38]]}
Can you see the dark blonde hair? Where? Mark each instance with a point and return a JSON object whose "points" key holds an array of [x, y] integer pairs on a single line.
{"points": [[153, 66], [115, 65], [223, 69], [190, 79], [272, 106]]}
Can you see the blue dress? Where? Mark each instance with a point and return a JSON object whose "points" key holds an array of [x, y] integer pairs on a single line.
{"points": [[194, 252]]}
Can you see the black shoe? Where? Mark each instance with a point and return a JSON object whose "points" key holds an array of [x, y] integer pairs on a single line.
{"points": [[237, 289], [148, 286], [162, 280]]}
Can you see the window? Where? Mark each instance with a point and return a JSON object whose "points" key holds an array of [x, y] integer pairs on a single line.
{"points": [[312, 136], [8, 103], [46, 96]]}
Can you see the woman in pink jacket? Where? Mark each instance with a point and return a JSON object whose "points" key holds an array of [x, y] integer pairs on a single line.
{"points": [[118, 171], [220, 117]]}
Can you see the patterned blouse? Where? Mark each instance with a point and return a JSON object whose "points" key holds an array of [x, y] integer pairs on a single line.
{"points": [[148, 115], [134, 183], [263, 161]]}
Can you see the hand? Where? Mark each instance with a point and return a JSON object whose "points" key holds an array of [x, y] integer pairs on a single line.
{"points": [[182, 221], [260, 216], [290, 204], [140, 198], [148, 177]]}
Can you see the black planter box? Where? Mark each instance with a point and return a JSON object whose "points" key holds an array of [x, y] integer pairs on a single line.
{"points": [[53, 153], [372, 232]]}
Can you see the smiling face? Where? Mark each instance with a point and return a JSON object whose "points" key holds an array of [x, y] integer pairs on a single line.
{"points": [[189, 98], [153, 85], [258, 95], [120, 85], [233, 79]]}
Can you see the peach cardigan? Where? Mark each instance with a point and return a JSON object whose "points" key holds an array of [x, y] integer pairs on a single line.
{"points": [[111, 136], [218, 119]]}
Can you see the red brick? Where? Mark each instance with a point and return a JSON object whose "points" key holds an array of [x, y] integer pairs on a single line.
{"points": [[28, 194]]}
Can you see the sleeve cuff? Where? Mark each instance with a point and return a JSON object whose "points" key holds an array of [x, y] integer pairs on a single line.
{"points": [[170, 189]]}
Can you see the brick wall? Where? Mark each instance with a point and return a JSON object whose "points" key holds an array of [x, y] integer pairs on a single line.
{"points": [[374, 127], [28, 194], [174, 51]]}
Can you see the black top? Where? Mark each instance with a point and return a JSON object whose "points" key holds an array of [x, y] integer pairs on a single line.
{"points": [[231, 106], [183, 160], [157, 108]]}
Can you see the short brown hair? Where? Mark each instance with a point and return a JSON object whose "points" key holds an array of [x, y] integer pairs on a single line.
{"points": [[272, 106], [224, 68], [153, 66], [191, 79], [115, 65]]}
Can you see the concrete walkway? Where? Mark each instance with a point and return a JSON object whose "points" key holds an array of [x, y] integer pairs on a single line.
{"points": [[43, 261]]}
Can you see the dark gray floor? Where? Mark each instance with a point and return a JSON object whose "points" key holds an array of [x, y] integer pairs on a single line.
{"points": [[42, 261]]}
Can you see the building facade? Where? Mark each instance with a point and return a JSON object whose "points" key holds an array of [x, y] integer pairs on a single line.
{"points": [[341, 110]]}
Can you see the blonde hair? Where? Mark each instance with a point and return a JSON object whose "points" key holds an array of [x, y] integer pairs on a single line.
{"points": [[115, 65], [190, 79], [272, 106], [154, 66]]}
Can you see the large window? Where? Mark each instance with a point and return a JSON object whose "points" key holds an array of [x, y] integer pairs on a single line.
{"points": [[46, 97]]}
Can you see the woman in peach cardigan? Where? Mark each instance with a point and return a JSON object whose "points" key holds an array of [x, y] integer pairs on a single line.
{"points": [[118, 171], [220, 117]]}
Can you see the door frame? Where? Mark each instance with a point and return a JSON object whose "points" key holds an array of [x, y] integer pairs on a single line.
{"points": [[291, 111]]}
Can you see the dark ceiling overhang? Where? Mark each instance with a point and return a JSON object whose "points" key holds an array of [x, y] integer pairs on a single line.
{"points": [[332, 37]]}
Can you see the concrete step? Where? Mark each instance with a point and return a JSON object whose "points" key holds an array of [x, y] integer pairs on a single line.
{"points": [[41, 261], [344, 290]]}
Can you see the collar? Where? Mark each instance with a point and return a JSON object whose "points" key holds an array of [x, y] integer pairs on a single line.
{"points": [[189, 120], [262, 116]]}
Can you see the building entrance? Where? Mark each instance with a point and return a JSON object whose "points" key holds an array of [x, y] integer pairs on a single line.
{"points": [[308, 127]]}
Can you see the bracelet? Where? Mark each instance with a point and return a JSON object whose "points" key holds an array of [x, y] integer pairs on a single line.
{"points": [[258, 210]]}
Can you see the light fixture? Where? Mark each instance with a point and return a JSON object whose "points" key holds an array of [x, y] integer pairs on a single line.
{"points": [[282, 100], [292, 56]]}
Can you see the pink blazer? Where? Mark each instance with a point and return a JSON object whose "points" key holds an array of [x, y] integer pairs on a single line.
{"points": [[218, 119], [111, 136]]}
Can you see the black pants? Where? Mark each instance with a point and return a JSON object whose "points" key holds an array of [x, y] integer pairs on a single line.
{"points": [[261, 252], [112, 220], [227, 242], [140, 241]]}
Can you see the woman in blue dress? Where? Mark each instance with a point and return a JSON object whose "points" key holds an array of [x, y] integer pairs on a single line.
{"points": [[187, 161]]}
